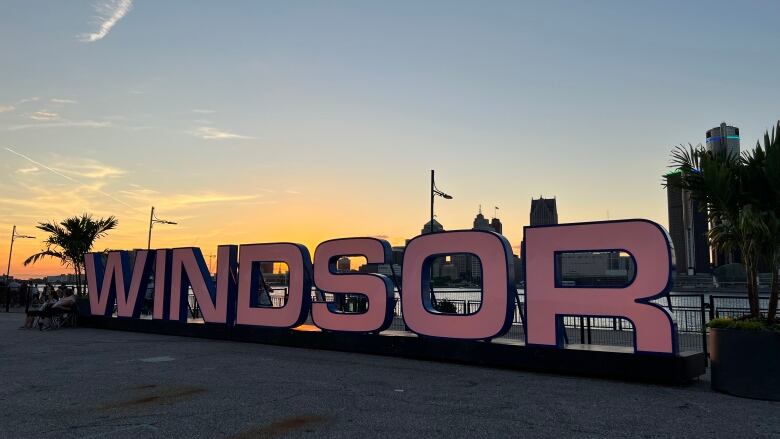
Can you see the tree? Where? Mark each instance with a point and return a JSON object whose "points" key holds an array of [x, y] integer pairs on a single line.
{"points": [[741, 197], [763, 173], [70, 239]]}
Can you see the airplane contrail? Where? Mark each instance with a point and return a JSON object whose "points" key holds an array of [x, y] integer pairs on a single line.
{"points": [[67, 177]]}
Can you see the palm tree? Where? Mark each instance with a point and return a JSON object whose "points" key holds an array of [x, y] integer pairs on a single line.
{"points": [[741, 197], [763, 172], [70, 239]]}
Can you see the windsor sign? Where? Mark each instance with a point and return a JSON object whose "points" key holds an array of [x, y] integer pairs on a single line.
{"points": [[230, 305]]}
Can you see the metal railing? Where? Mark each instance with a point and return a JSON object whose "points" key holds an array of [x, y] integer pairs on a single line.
{"points": [[690, 313], [733, 306]]}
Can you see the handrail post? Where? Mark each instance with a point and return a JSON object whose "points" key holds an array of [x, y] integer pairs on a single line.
{"points": [[704, 331]]}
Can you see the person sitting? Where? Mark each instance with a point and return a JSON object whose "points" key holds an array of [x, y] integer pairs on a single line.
{"points": [[60, 307], [38, 313]]}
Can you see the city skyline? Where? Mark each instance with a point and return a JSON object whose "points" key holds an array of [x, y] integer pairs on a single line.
{"points": [[267, 121]]}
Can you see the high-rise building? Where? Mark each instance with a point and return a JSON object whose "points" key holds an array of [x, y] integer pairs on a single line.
{"points": [[481, 223], [723, 139], [543, 212], [688, 229], [720, 140], [688, 225], [495, 223], [462, 262], [343, 265]]}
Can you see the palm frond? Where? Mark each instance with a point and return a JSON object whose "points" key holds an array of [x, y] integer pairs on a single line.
{"points": [[43, 254]]}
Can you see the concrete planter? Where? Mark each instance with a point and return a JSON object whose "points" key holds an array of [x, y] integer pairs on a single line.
{"points": [[746, 363]]}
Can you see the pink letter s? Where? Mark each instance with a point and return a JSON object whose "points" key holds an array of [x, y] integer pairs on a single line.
{"points": [[376, 287]]}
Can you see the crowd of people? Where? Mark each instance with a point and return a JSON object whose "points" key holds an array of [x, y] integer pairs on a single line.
{"points": [[53, 304]]}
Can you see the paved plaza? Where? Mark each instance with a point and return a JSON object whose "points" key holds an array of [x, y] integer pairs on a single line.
{"points": [[85, 383]]}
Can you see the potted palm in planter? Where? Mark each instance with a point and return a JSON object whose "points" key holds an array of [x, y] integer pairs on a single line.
{"points": [[741, 197]]}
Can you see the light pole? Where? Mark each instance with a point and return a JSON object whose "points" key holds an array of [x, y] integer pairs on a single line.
{"points": [[434, 192], [152, 221], [14, 236]]}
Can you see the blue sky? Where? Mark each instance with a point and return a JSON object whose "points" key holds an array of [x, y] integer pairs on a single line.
{"points": [[257, 121]]}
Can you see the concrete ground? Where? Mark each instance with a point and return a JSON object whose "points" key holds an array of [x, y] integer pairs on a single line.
{"points": [[96, 383]]}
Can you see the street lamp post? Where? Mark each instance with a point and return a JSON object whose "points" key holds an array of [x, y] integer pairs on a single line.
{"points": [[14, 236], [152, 221], [434, 192]]}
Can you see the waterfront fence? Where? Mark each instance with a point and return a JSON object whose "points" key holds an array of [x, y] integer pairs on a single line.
{"points": [[690, 312]]}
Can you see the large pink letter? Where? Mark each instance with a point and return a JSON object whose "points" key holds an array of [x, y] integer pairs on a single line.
{"points": [[547, 301], [495, 314], [295, 311], [117, 282], [377, 288]]}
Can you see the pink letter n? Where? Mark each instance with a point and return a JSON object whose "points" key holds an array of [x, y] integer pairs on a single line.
{"points": [[547, 301]]}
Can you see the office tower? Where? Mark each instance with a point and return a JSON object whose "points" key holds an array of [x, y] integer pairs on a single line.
{"points": [[723, 139], [720, 140], [688, 229], [495, 223], [481, 223], [462, 262], [343, 265], [543, 212]]}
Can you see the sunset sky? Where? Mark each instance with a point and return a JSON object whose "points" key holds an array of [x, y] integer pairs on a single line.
{"points": [[303, 121]]}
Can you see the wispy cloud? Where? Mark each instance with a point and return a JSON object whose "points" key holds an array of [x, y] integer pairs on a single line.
{"points": [[211, 133], [176, 201], [6, 108], [88, 168], [57, 123], [44, 115], [290, 191], [108, 15], [63, 101], [202, 111], [28, 170], [94, 186], [26, 100]]}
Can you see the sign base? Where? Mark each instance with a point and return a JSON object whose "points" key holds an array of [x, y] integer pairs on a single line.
{"points": [[585, 360]]}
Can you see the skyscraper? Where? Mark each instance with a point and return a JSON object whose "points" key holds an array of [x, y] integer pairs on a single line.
{"points": [[688, 229], [723, 139], [343, 264], [543, 212], [688, 225], [495, 223], [481, 223]]}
